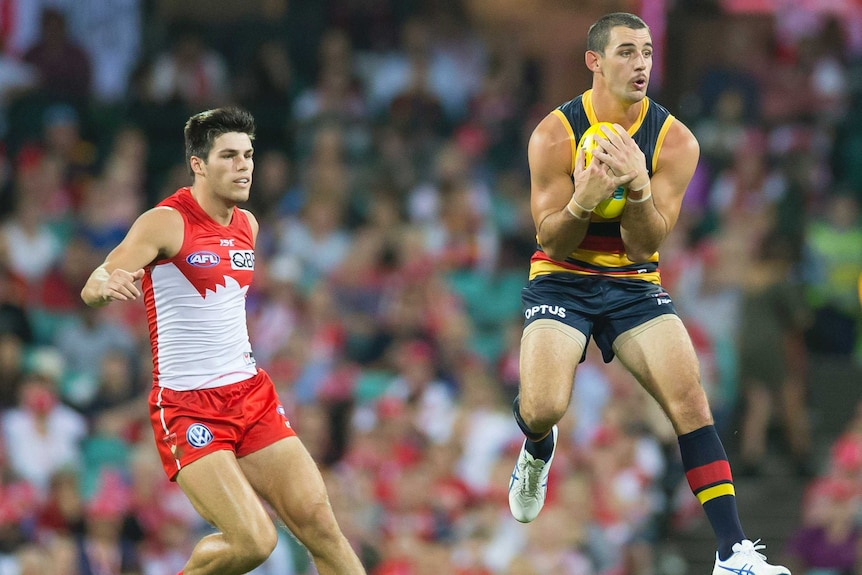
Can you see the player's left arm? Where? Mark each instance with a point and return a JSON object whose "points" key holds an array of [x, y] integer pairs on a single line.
{"points": [[645, 224], [252, 221]]}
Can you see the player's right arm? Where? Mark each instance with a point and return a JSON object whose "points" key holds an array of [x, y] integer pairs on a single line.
{"points": [[562, 196], [157, 233]]}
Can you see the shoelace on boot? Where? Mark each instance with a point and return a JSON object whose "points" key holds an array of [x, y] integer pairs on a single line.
{"points": [[532, 471], [750, 548]]}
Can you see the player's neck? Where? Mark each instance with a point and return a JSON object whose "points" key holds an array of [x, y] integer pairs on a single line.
{"points": [[216, 208], [609, 108]]}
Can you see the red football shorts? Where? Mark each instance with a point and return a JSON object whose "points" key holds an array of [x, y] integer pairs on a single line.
{"points": [[243, 417]]}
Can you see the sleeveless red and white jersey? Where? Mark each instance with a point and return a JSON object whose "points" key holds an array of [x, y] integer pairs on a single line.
{"points": [[196, 301]]}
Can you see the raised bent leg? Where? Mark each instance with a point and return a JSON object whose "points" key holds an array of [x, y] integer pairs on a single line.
{"points": [[219, 491], [550, 353]]}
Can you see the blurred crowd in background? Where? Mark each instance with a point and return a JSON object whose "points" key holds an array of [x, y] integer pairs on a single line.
{"points": [[393, 194]]}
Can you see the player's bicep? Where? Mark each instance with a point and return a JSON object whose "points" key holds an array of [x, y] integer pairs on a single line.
{"points": [[252, 221], [550, 157], [156, 233], [677, 162]]}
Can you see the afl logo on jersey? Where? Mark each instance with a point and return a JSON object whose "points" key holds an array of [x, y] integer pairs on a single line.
{"points": [[203, 259], [199, 435]]}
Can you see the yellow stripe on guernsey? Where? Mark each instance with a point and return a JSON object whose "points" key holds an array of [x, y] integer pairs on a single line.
{"points": [[660, 140], [591, 114], [598, 263], [717, 491], [602, 251]]}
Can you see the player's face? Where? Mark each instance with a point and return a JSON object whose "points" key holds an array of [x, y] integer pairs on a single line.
{"points": [[627, 63], [229, 167]]}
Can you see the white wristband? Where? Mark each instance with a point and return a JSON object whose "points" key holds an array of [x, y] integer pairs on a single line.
{"points": [[640, 201], [576, 216], [640, 188]]}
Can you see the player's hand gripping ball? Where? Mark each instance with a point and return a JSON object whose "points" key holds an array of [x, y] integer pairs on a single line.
{"points": [[612, 207]]}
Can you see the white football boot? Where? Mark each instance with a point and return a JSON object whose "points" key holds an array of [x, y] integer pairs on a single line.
{"points": [[747, 561], [529, 483]]}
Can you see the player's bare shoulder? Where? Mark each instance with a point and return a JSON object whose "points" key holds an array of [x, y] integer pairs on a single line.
{"points": [[550, 147], [252, 221], [679, 150], [162, 228]]}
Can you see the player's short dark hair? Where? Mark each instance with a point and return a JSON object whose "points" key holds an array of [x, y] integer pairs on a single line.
{"points": [[203, 128], [600, 32]]}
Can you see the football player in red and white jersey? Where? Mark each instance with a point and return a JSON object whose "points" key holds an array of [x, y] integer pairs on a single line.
{"points": [[220, 429]]}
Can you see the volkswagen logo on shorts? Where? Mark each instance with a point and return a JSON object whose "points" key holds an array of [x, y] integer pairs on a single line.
{"points": [[199, 435]]}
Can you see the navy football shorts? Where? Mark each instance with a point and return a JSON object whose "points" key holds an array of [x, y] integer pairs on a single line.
{"points": [[599, 307]]}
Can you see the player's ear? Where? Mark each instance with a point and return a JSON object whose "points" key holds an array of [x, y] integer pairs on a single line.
{"points": [[197, 165], [592, 60]]}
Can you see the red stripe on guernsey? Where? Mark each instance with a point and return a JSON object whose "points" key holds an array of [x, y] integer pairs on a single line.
{"points": [[150, 301], [538, 255], [709, 474], [603, 244]]}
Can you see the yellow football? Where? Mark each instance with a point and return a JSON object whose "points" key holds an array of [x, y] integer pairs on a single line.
{"points": [[612, 207]]}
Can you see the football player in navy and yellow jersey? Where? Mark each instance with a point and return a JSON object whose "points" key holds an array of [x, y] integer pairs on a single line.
{"points": [[598, 277]]}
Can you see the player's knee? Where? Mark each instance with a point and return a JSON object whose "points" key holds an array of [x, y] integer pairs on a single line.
{"points": [[690, 408], [256, 545], [318, 529], [543, 416]]}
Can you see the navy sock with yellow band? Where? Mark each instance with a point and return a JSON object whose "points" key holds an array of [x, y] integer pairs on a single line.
{"points": [[708, 473]]}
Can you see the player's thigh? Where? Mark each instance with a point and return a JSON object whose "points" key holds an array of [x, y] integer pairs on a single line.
{"points": [[217, 487], [287, 477], [660, 355], [550, 353]]}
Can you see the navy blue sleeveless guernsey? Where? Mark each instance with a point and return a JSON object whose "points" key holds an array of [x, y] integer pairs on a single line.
{"points": [[601, 252]]}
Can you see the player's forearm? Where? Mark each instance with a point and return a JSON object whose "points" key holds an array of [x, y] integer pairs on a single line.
{"points": [[93, 288], [642, 228], [562, 232]]}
